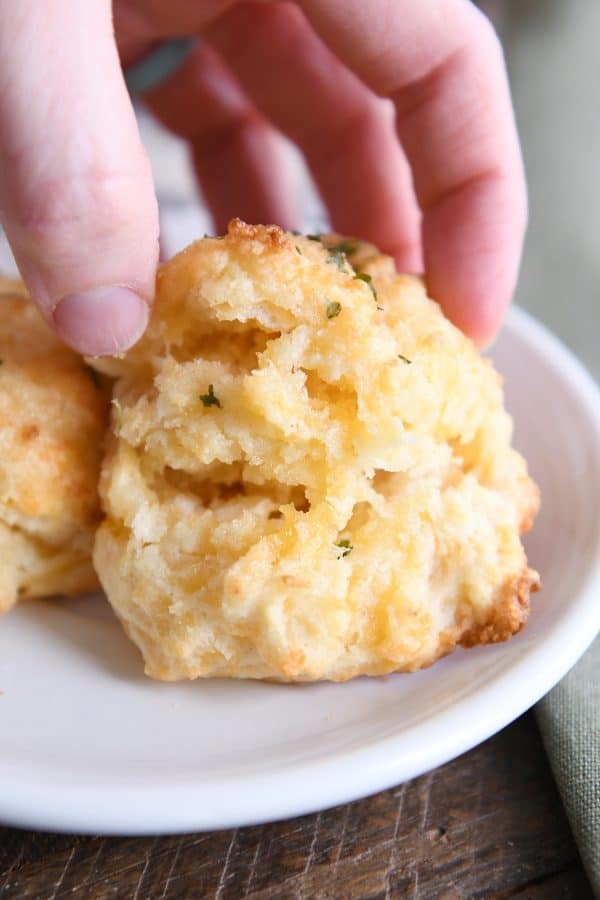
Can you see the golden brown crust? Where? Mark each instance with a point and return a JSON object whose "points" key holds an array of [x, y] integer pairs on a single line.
{"points": [[508, 614], [53, 414], [271, 236]]}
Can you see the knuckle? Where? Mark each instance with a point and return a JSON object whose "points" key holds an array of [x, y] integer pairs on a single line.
{"points": [[343, 131], [92, 205]]}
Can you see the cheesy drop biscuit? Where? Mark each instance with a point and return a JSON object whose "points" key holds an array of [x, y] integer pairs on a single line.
{"points": [[53, 414], [311, 474]]}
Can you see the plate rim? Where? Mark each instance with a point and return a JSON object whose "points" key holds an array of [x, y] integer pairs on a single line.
{"points": [[168, 806]]}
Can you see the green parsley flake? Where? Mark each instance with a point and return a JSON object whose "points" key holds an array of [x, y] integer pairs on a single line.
{"points": [[345, 546], [298, 250], [210, 399], [337, 258], [118, 416], [93, 376], [364, 276], [405, 359], [314, 237], [347, 247], [333, 309]]}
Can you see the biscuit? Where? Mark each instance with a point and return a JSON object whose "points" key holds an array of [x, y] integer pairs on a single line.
{"points": [[310, 474], [53, 415]]}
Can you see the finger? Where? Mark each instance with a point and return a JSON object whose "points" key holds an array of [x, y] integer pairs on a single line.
{"points": [[442, 65], [76, 194], [139, 24], [346, 133], [238, 156]]}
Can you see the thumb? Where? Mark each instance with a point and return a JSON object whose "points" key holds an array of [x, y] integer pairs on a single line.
{"points": [[76, 194]]}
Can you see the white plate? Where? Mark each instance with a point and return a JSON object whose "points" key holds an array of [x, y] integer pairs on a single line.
{"points": [[88, 744]]}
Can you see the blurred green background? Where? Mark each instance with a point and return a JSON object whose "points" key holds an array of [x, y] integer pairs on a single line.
{"points": [[554, 65]]}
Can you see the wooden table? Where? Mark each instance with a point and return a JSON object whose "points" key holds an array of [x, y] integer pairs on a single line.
{"points": [[488, 825]]}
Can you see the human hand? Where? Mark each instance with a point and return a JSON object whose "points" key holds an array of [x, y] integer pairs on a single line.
{"points": [[432, 174]]}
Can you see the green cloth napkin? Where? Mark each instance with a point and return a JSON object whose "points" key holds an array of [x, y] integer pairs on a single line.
{"points": [[569, 719]]}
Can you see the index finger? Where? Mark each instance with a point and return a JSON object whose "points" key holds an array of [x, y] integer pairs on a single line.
{"points": [[442, 65]]}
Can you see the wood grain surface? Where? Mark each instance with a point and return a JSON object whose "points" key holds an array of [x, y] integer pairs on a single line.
{"points": [[488, 825]]}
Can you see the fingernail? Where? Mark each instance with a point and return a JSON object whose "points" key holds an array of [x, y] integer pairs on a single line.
{"points": [[102, 321]]}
